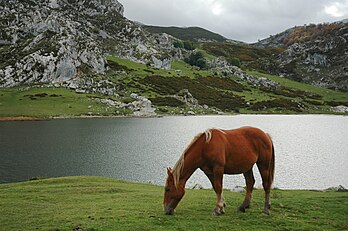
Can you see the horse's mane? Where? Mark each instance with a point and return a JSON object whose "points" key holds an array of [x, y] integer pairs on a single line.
{"points": [[179, 166]]}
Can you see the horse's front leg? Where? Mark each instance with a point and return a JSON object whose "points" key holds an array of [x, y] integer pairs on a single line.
{"points": [[217, 185]]}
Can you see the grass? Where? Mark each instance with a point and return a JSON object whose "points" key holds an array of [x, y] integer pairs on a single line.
{"points": [[96, 203], [46, 102], [326, 94], [221, 93]]}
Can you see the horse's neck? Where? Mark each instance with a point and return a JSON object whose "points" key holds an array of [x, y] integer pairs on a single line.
{"points": [[191, 163]]}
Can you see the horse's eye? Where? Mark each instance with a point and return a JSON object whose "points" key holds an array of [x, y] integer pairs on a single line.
{"points": [[167, 189]]}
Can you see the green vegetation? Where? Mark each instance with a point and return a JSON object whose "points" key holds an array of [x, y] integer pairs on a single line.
{"points": [[188, 45], [234, 62], [244, 53], [46, 102], [197, 59], [217, 91], [186, 33], [96, 203]]}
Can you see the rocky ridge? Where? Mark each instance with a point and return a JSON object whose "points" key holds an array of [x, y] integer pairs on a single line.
{"points": [[314, 54], [59, 41]]}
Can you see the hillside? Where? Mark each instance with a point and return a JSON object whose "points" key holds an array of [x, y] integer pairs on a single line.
{"points": [[83, 58], [187, 33], [313, 54], [145, 91], [96, 203], [65, 42]]}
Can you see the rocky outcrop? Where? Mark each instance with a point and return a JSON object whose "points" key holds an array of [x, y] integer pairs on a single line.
{"points": [[186, 97], [314, 54], [56, 41], [340, 109], [141, 106], [223, 68]]}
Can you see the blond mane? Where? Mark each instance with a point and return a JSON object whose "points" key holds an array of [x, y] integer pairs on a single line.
{"points": [[179, 166]]}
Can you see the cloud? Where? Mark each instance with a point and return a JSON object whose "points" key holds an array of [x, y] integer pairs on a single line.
{"points": [[247, 20], [337, 9]]}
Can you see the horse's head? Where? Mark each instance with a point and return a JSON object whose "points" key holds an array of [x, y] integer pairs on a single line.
{"points": [[172, 193]]}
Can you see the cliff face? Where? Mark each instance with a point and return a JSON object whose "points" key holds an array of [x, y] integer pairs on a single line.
{"points": [[314, 54], [55, 41]]}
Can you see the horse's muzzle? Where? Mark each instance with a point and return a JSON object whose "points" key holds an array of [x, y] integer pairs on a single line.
{"points": [[169, 211]]}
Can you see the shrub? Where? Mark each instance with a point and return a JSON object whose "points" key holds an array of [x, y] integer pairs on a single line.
{"points": [[234, 62], [188, 45], [167, 101], [280, 103], [178, 44], [196, 59], [202, 92]]}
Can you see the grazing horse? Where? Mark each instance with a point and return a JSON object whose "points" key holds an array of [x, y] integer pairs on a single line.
{"points": [[217, 152]]}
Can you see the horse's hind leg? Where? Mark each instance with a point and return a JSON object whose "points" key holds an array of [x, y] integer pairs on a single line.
{"points": [[217, 185], [250, 181], [266, 183]]}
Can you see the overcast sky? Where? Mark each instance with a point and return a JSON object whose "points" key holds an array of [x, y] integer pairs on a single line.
{"points": [[244, 20]]}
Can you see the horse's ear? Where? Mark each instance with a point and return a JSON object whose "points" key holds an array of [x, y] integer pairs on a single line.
{"points": [[169, 171]]}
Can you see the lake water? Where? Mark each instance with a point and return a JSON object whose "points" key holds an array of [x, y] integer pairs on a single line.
{"points": [[311, 150]]}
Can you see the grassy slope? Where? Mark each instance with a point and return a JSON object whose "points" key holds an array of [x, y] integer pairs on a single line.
{"points": [[57, 102], [158, 86], [96, 203], [327, 94], [187, 33]]}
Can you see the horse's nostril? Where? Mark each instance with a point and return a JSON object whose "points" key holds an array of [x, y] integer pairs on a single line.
{"points": [[169, 211]]}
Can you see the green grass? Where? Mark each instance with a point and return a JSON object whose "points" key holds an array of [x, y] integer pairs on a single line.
{"points": [[224, 93], [96, 203], [187, 33], [327, 94], [45, 102]]}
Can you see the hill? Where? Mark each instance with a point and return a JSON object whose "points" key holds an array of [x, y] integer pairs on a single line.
{"points": [[313, 54], [137, 89], [65, 42], [79, 58], [96, 203], [187, 33]]}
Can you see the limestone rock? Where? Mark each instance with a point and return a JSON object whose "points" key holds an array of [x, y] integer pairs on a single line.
{"points": [[57, 41], [340, 109]]}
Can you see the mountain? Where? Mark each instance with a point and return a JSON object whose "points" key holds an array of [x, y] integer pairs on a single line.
{"points": [[83, 57], [187, 33], [62, 41], [314, 54]]}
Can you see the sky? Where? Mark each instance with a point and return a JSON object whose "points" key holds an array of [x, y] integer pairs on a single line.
{"points": [[243, 20]]}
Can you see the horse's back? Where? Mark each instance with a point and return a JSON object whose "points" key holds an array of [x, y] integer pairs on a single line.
{"points": [[238, 149]]}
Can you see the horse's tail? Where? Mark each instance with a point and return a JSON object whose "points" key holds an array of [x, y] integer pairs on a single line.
{"points": [[272, 165]]}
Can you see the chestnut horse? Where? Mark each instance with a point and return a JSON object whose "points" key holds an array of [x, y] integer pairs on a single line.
{"points": [[217, 152]]}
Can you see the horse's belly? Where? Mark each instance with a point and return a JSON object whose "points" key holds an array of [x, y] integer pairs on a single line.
{"points": [[238, 166], [237, 169]]}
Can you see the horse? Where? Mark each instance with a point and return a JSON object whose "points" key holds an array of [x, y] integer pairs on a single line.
{"points": [[217, 152]]}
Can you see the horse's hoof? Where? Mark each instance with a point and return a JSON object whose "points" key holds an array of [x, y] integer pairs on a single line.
{"points": [[265, 212], [218, 212], [240, 210]]}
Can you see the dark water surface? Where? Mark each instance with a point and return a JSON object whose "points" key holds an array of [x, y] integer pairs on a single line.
{"points": [[311, 150]]}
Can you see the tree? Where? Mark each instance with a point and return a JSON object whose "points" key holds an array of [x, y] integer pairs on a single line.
{"points": [[178, 44], [196, 59], [188, 45], [234, 62]]}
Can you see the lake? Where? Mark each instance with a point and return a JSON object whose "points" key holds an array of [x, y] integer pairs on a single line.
{"points": [[311, 150]]}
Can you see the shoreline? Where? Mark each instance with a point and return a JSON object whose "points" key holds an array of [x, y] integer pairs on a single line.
{"points": [[338, 188], [23, 118], [34, 118]]}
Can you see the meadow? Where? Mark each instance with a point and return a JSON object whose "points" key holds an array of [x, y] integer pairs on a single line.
{"points": [[97, 203]]}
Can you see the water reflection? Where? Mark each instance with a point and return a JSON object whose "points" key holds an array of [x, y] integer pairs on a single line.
{"points": [[311, 150]]}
